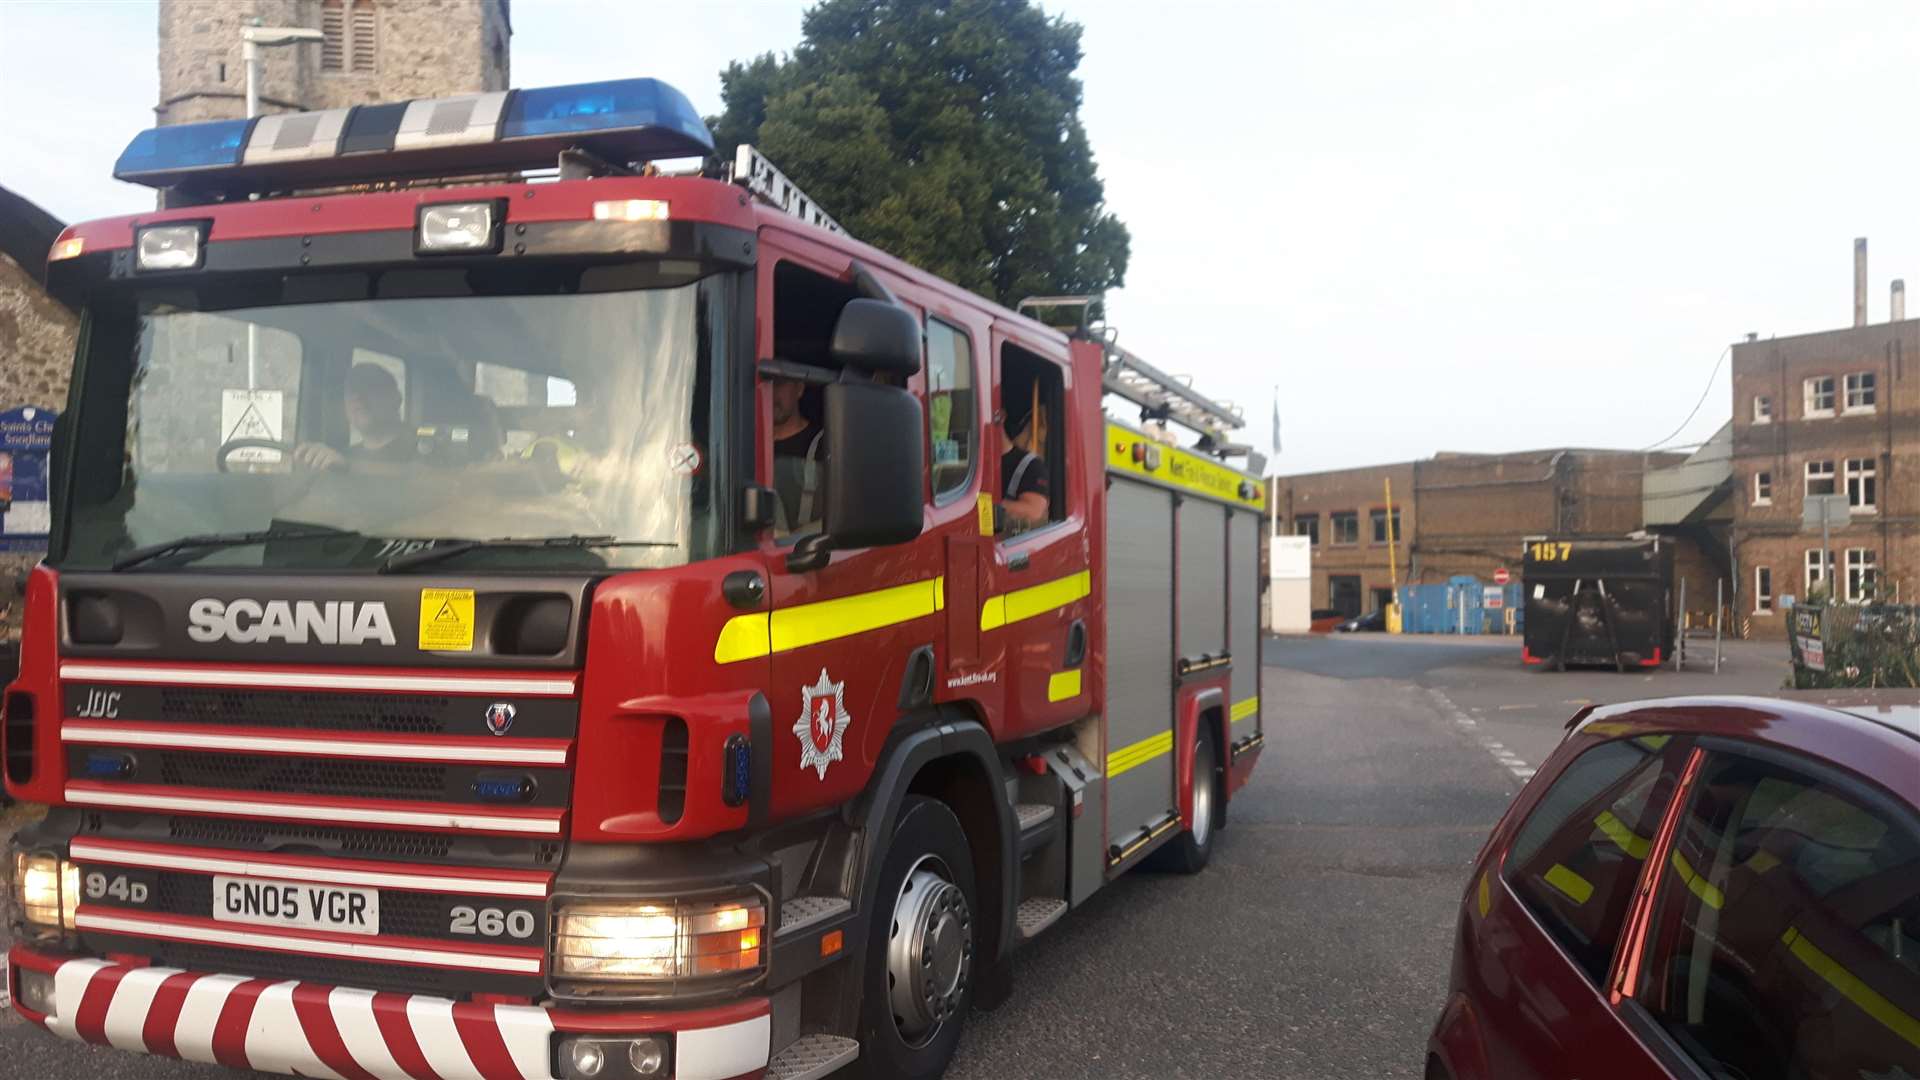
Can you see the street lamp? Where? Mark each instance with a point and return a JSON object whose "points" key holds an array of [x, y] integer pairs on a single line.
{"points": [[253, 39]]}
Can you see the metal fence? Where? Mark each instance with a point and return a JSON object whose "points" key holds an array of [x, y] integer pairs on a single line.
{"points": [[1868, 646]]}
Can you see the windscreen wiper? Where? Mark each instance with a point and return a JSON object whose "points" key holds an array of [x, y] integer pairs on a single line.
{"points": [[222, 540], [424, 556]]}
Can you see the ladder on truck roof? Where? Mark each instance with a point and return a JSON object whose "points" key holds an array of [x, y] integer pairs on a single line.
{"points": [[761, 178], [1159, 395]]}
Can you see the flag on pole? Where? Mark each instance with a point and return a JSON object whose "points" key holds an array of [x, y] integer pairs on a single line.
{"points": [[1276, 421]]}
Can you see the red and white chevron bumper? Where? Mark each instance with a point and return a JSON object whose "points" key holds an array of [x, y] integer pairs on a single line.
{"points": [[309, 1029]]}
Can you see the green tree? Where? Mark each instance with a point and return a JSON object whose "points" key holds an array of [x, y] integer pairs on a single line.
{"points": [[946, 132]]}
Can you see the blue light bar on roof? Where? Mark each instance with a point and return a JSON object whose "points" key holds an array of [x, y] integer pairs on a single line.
{"points": [[183, 148], [623, 121], [621, 103]]}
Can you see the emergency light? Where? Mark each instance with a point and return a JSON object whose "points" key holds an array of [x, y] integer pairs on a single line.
{"points": [[622, 121]]}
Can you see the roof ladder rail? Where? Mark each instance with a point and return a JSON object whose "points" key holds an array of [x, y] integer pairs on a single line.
{"points": [[1161, 394], [752, 170]]}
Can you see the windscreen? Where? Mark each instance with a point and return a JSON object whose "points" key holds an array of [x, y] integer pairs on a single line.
{"points": [[355, 430]]}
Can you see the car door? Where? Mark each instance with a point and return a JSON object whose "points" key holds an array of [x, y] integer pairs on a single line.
{"points": [[1785, 935], [1553, 909]]}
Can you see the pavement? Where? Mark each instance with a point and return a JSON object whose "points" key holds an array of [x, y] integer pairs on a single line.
{"points": [[1316, 946]]}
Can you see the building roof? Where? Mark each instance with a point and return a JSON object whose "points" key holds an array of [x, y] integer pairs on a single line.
{"points": [[27, 233]]}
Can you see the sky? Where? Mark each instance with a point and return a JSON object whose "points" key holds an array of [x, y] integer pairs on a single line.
{"points": [[1422, 226]]}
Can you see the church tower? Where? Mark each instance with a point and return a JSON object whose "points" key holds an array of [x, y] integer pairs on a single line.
{"points": [[373, 50]]}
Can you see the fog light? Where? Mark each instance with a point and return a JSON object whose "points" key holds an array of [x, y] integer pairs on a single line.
{"points": [[36, 991], [70, 248], [47, 888], [167, 247], [585, 1058], [648, 1056], [458, 228]]}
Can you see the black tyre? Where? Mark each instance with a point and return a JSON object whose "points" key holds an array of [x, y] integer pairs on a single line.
{"points": [[921, 947], [1188, 853]]}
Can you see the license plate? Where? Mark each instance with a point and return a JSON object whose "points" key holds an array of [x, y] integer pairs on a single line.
{"points": [[292, 903]]}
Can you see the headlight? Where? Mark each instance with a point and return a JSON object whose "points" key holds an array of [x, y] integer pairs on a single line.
{"points": [[657, 940], [458, 227], [46, 887], [167, 247]]}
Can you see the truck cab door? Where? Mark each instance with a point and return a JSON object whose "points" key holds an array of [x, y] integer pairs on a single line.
{"points": [[846, 638], [1037, 579]]}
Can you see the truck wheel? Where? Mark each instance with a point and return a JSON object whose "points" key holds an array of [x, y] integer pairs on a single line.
{"points": [[920, 947], [1188, 853]]}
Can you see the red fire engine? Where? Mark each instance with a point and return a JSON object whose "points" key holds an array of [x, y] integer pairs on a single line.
{"points": [[611, 626]]}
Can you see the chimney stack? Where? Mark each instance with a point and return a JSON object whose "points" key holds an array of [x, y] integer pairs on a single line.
{"points": [[1860, 282], [1899, 310]]}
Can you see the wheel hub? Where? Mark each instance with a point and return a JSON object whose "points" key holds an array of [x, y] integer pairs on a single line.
{"points": [[929, 951], [1202, 795]]}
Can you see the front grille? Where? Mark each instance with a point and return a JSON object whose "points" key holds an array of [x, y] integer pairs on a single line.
{"points": [[305, 776], [412, 714], [343, 777], [345, 841], [403, 978]]}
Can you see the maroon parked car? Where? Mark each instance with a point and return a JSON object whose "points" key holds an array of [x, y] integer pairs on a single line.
{"points": [[1709, 888]]}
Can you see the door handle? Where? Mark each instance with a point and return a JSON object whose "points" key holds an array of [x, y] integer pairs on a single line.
{"points": [[1076, 644], [1019, 560]]}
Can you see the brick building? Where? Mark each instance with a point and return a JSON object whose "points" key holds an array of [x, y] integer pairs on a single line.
{"points": [[1829, 413], [1457, 513], [374, 50]]}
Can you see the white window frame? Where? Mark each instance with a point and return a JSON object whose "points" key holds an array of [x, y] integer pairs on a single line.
{"points": [[1811, 575], [1863, 569], [1762, 409], [1868, 387], [1867, 471], [1829, 474], [1763, 488], [1763, 590], [1809, 394]]}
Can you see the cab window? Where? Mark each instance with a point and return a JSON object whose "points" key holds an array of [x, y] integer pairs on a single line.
{"points": [[1032, 474], [1787, 927], [952, 430], [806, 305], [1575, 861]]}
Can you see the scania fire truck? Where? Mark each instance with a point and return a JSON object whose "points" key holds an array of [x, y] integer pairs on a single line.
{"points": [[515, 611]]}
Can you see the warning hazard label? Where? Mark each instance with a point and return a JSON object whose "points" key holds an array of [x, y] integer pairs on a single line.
{"points": [[446, 620], [251, 414]]}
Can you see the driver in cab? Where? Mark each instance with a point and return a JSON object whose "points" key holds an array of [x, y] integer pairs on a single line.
{"points": [[373, 412]]}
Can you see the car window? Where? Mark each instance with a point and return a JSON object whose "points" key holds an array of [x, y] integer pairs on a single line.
{"points": [[1787, 928], [1576, 859]]}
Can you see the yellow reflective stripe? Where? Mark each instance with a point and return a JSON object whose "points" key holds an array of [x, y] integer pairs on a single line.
{"points": [[1763, 861], [1624, 838], [1184, 470], [1062, 685], [1243, 709], [1851, 987], [1577, 888], [1034, 600], [1702, 888], [1486, 896], [746, 637], [1654, 742], [1139, 753]]}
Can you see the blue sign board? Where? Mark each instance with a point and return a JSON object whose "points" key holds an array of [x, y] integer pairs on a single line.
{"points": [[26, 446]]}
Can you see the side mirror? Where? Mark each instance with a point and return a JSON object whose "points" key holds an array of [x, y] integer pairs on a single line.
{"points": [[874, 472], [873, 335]]}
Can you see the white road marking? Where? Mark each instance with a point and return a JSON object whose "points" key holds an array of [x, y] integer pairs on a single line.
{"points": [[1511, 761]]}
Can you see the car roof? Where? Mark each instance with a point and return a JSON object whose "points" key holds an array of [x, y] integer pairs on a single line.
{"points": [[1876, 735]]}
